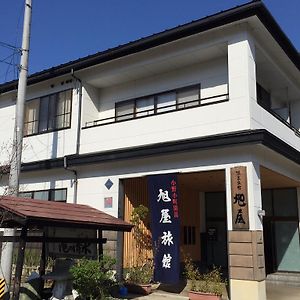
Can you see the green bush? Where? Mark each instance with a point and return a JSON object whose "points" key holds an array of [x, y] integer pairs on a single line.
{"points": [[211, 282], [93, 279], [140, 274]]}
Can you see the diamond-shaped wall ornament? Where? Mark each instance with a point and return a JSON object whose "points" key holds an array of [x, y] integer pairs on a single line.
{"points": [[108, 184]]}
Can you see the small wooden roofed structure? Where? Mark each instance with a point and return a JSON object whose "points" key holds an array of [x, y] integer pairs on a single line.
{"points": [[28, 214], [19, 212]]}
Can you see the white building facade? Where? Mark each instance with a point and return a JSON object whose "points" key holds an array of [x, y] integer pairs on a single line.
{"points": [[199, 100]]}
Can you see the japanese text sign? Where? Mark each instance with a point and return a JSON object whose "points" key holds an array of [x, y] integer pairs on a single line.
{"points": [[239, 199], [78, 250], [163, 198]]}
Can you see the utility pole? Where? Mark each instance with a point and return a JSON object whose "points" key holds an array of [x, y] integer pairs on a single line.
{"points": [[13, 182]]}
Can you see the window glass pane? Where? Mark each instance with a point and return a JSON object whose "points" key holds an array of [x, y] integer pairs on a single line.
{"points": [[215, 205], [59, 195], [43, 122], [145, 106], [26, 194], [31, 117], [267, 202], [63, 109], [285, 203], [287, 246], [166, 102], [52, 111], [263, 97], [124, 111], [41, 195], [188, 97]]}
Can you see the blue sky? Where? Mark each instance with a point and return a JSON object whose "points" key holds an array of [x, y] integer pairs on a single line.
{"points": [[64, 30]]}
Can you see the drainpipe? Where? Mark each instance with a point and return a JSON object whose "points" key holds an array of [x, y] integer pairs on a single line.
{"points": [[79, 112], [75, 180], [66, 167]]}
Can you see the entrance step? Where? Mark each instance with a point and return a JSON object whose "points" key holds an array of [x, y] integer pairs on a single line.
{"points": [[292, 279]]}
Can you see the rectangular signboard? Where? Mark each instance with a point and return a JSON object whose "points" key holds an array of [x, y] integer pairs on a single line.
{"points": [[239, 199], [75, 250]]}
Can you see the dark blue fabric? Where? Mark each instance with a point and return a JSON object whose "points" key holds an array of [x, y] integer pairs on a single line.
{"points": [[163, 198]]}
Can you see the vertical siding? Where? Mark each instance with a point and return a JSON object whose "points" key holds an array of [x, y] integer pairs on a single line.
{"points": [[135, 194]]}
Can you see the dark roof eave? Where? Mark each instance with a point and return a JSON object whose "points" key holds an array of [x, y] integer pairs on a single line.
{"points": [[213, 21], [238, 138]]}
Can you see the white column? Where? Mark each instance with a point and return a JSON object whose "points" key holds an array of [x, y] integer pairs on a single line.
{"points": [[298, 197], [228, 198], [254, 196], [242, 74]]}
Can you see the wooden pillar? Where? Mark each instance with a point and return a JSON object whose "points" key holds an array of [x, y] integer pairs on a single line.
{"points": [[19, 265], [42, 269], [100, 244]]}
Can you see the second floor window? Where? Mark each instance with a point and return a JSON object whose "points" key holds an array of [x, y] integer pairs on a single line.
{"points": [[58, 195], [159, 103], [48, 113]]}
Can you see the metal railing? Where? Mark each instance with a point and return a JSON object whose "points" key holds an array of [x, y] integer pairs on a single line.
{"points": [[159, 110]]}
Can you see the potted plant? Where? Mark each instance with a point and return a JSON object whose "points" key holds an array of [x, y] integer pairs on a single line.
{"points": [[207, 286], [93, 279], [138, 278]]}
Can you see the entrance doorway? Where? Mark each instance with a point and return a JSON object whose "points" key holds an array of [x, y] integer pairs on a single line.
{"points": [[281, 230], [216, 229], [202, 213]]}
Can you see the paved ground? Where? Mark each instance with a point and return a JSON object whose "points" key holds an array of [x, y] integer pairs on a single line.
{"points": [[274, 292], [282, 292]]}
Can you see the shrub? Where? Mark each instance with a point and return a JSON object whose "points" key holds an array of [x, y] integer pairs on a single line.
{"points": [[210, 282], [93, 278], [140, 274]]}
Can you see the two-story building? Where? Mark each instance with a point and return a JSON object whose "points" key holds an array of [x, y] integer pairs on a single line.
{"points": [[216, 101]]}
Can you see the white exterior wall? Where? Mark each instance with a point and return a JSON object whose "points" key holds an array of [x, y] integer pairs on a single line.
{"points": [[260, 118], [195, 122], [90, 106], [242, 76], [57, 143], [7, 117]]}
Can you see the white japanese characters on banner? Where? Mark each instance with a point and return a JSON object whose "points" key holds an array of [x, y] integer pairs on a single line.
{"points": [[163, 195]]}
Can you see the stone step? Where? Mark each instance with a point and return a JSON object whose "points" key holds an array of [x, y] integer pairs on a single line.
{"points": [[292, 279]]}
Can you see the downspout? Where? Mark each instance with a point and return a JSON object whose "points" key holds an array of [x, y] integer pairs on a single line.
{"points": [[66, 167], [75, 180]]}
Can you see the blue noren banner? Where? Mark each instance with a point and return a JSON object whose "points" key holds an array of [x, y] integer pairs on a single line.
{"points": [[163, 198]]}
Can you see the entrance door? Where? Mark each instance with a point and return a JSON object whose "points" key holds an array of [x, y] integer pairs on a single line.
{"points": [[281, 231], [216, 229]]}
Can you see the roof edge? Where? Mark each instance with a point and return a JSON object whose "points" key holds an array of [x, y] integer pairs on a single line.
{"points": [[213, 21]]}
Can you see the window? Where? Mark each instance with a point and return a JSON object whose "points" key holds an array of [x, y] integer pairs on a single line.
{"points": [[48, 113], [166, 102], [188, 97], [263, 97], [144, 106], [189, 235], [58, 195], [124, 110], [159, 103]]}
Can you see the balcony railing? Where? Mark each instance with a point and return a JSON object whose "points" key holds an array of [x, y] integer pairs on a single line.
{"points": [[281, 119], [159, 111]]}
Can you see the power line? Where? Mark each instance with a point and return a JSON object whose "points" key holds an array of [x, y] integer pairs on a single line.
{"points": [[8, 46], [6, 62]]}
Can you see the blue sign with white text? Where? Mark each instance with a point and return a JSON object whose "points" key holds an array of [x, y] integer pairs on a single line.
{"points": [[163, 198]]}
